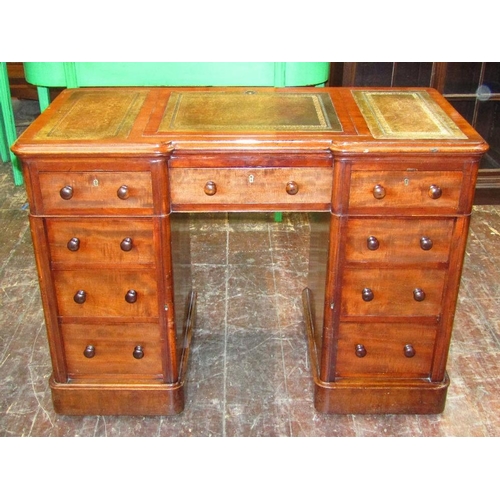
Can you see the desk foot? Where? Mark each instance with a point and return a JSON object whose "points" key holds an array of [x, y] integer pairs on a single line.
{"points": [[141, 399], [368, 396]]}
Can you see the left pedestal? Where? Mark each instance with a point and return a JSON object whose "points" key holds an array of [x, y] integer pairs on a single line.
{"points": [[106, 263]]}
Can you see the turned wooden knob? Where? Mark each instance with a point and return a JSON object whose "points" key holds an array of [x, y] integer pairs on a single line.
{"points": [[131, 296], [372, 243], [80, 297], [138, 352], [435, 192], [425, 243], [379, 192], [210, 188], [126, 244], [73, 244], [360, 350], [367, 294], [89, 351], [409, 351], [66, 192], [122, 192], [292, 187], [418, 294]]}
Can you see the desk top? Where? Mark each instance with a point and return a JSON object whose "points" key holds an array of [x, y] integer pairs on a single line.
{"points": [[156, 121]]}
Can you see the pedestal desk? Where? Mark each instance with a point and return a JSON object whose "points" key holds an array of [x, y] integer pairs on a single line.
{"points": [[386, 175]]}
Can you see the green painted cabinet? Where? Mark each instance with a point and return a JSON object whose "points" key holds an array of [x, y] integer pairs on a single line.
{"points": [[173, 74]]}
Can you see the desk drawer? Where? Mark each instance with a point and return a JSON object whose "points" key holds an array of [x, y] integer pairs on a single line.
{"points": [[420, 191], [106, 293], [385, 350], [96, 192], [100, 350], [78, 242], [398, 240], [392, 292], [266, 186]]}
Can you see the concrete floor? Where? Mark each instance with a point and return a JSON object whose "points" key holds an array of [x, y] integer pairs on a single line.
{"points": [[249, 374]]}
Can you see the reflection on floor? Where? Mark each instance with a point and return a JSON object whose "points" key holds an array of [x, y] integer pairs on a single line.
{"points": [[249, 373]]}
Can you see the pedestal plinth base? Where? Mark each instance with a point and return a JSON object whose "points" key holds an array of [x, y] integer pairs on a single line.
{"points": [[414, 397], [117, 399]]}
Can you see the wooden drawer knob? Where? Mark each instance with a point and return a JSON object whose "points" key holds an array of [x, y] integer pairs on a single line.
{"points": [[418, 294], [123, 192], [372, 243], [292, 187], [80, 297], [360, 350], [367, 294], [409, 351], [435, 192], [66, 192], [131, 296], [126, 244], [379, 192], [425, 243], [73, 244], [138, 352], [89, 351], [210, 188]]}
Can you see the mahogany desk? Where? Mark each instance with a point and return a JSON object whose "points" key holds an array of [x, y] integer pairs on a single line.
{"points": [[387, 175]]}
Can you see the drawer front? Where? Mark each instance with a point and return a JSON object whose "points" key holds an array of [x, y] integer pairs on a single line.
{"points": [[96, 192], [403, 189], [389, 292], [251, 186], [399, 240], [385, 350], [106, 293], [126, 349], [112, 241]]}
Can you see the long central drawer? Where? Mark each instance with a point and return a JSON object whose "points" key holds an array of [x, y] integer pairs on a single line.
{"points": [[271, 187]]}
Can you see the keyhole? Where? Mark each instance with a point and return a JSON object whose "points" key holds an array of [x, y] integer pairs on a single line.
{"points": [[407, 181], [251, 178], [95, 182]]}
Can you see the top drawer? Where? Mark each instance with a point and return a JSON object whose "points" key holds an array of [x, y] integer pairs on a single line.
{"points": [[436, 191], [96, 192], [288, 188]]}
